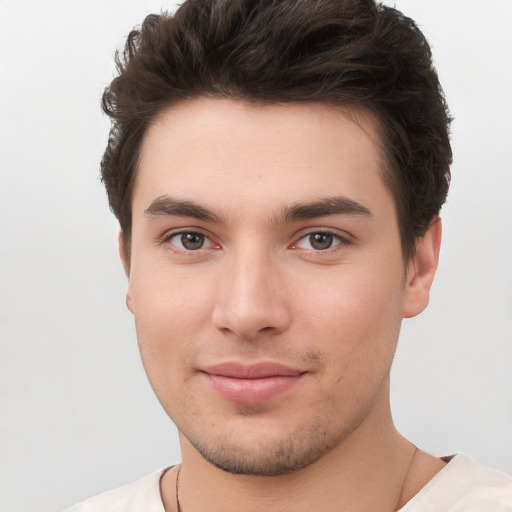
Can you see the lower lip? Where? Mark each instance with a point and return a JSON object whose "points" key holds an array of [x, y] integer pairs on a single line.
{"points": [[252, 391]]}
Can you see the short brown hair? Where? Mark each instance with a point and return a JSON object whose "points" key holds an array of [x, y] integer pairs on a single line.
{"points": [[339, 52]]}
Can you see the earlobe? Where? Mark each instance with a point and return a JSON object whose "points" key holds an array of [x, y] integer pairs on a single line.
{"points": [[129, 303], [421, 270]]}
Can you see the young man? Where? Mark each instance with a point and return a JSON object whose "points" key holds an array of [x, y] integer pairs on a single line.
{"points": [[277, 168]]}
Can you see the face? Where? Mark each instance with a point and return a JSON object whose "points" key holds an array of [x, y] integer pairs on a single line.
{"points": [[266, 278]]}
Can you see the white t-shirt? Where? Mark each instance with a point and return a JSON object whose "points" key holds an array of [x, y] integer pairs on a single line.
{"points": [[461, 486]]}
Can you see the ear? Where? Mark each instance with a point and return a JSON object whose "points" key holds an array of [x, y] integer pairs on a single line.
{"points": [[123, 254], [421, 270]]}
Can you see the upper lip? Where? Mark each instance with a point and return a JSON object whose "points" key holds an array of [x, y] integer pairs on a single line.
{"points": [[251, 371]]}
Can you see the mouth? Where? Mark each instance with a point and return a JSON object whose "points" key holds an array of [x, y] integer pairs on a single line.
{"points": [[251, 384]]}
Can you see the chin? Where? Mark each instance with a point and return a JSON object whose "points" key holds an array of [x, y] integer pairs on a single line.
{"points": [[269, 457]]}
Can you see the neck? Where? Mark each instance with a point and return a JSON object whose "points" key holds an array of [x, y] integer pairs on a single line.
{"points": [[365, 472]]}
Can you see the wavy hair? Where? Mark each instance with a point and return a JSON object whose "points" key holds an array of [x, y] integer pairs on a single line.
{"points": [[338, 52]]}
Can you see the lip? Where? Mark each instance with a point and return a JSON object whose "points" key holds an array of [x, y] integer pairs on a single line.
{"points": [[251, 384]]}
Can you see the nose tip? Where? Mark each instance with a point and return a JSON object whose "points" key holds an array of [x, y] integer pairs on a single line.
{"points": [[251, 302], [247, 325]]}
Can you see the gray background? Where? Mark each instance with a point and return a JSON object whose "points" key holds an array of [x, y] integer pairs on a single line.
{"points": [[77, 415]]}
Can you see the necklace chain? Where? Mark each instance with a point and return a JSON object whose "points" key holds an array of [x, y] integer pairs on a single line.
{"points": [[396, 509], [178, 506]]}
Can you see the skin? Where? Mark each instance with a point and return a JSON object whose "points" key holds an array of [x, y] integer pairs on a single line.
{"points": [[261, 289]]}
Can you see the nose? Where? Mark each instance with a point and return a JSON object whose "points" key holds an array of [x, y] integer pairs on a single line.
{"points": [[252, 298]]}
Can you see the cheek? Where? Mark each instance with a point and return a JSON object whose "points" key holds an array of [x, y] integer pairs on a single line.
{"points": [[358, 318], [166, 301], [170, 315], [355, 300]]}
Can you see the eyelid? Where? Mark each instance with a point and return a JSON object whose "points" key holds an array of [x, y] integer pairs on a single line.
{"points": [[343, 238], [168, 235]]}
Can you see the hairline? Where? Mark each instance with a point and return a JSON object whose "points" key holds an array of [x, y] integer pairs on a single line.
{"points": [[357, 111]]}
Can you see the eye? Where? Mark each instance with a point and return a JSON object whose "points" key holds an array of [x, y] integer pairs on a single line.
{"points": [[190, 241], [319, 241]]}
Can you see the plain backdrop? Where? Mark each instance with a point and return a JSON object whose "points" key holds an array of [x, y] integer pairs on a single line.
{"points": [[77, 414]]}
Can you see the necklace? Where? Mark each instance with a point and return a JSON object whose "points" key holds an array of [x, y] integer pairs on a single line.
{"points": [[178, 506], [396, 509]]}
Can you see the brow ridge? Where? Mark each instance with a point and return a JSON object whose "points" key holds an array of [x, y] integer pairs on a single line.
{"points": [[166, 205], [336, 205]]}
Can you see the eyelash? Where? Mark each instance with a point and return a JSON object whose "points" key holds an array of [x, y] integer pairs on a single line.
{"points": [[167, 239], [338, 241]]}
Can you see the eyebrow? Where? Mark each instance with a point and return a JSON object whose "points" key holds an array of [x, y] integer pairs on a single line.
{"points": [[338, 205], [165, 205]]}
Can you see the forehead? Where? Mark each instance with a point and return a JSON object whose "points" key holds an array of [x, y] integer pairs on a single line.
{"points": [[246, 154]]}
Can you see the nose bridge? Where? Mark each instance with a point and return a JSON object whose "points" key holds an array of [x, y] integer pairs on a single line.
{"points": [[250, 297]]}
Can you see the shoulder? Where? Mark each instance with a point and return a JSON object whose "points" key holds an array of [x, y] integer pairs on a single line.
{"points": [[144, 494], [464, 486]]}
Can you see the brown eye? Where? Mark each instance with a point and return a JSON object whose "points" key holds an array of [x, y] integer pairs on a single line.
{"points": [[191, 241], [321, 241]]}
